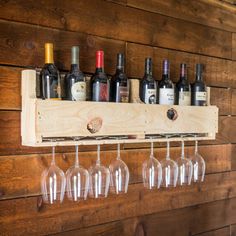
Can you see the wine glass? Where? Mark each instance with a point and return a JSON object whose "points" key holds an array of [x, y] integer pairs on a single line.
{"points": [[99, 178], [185, 168], [169, 170], [119, 174], [53, 182], [77, 180], [152, 172], [199, 165]]}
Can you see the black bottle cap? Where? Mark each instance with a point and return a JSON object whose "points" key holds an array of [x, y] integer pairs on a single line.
{"points": [[183, 69], [148, 65], [166, 67], [120, 60], [199, 69]]}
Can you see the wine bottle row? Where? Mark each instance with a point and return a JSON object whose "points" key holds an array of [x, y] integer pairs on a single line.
{"points": [[117, 89]]}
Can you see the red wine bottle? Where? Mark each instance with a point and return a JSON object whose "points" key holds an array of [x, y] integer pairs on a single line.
{"points": [[100, 85], [183, 95], [166, 87], [49, 76], [75, 85], [148, 86], [119, 91], [199, 91]]}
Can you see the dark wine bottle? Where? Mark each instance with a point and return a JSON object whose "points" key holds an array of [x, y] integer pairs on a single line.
{"points": [[100, 85], [49, 76], [75, 85], [119, 88], [166, 86], [199, 91], [148, 86], [183, 94]]}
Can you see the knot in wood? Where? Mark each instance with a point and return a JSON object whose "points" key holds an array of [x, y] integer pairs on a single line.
{"points": [[94, 125]]}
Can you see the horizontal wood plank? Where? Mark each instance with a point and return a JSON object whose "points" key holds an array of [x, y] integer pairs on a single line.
{"points": [[152, 224], [30, 219], [219, 72], [215, 16], [120, 22], [28, 41], [20, 175]]}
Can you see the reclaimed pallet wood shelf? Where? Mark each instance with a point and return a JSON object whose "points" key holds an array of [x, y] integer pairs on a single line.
{"points": [[56, 122]]}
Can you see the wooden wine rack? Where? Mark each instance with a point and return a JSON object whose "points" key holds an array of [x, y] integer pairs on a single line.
{"points": [[56, 122]]}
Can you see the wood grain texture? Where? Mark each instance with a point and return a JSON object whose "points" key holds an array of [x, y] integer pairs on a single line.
{"points": [[233, 157], [234, 46], [233, 230], [20, 175], [153, 29], [219, 72], [29, 219], [152, 224], [29, 40], [233, 102], [215, 16]]}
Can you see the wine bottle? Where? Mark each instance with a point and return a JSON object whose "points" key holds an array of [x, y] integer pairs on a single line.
{"points": [[100, 85], [183, 95], [75, 85], [119, 88], [148, 86], [49, 76], [199, 91], [166, 87]]}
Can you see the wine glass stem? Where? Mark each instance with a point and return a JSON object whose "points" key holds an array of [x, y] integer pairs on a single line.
{"points": [[182, 149], [53, 156], [118, 151], [98, 155], [196, 146], [76, 155], [151, 149], [168, 150]]}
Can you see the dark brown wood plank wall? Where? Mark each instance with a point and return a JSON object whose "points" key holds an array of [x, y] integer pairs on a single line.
{"points": [[182, 31]]}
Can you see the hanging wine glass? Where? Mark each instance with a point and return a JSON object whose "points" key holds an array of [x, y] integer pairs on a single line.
{"points": [[99, 178], [185, 168], [119, 175], [199, 165], [53, 183], [152, 172], [169, 170], [77, 180]]}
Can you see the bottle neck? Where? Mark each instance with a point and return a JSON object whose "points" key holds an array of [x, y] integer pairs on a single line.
{"points": [[148, 67], [99, 61], [74, 68], [120, 70], [183, 72], [199, 77], [49, 53], [165, 73]]}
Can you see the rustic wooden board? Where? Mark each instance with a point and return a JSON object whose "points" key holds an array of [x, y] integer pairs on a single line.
{"points": [[234, 46], [29, 219], [233, 230], [29, 40], [154, 29], [137, 202], [20, 175], [151, 224], [233, 102], [219, 72], [216, 15]]}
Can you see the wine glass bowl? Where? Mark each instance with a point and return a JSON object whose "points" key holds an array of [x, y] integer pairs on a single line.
{"points": [[53, 183], [185, 168], [77, 181], [169, 170], [199, 165], [119, 177], [99, 179], [152, 172]]}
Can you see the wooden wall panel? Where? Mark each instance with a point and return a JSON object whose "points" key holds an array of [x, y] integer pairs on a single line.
{"points": [[28, 218], [124, 23], [29, 41], [182, 31], [17, 182], [215, 16]]}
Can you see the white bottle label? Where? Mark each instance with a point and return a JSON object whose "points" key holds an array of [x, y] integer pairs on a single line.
{"points": [[166, 96], [78, 91], [201, 96], [150, 96], [184, 98]]}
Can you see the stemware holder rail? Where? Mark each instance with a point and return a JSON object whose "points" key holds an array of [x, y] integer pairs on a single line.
{"points": [[58, 122]]}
